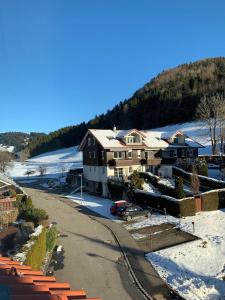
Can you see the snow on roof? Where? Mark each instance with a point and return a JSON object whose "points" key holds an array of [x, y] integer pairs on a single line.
{"points": [[152, 139]]}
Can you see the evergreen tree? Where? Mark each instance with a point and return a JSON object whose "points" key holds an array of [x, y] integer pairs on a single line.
{"points": [[179, 188]]}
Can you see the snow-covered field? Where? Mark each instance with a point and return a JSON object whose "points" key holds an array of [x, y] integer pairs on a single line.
{"points": [[194, 269], [57, 163], [6, 148], [97, 204]]}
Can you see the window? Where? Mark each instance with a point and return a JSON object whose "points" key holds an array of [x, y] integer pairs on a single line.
{"points": [[118, 172], [130, 139], [129, 154], [139, 153], [173, 153], [118, 155], [89, 154], [93, 141], [176, 140], [130, 169], [89, 141], [103, 155], [94, 154]]}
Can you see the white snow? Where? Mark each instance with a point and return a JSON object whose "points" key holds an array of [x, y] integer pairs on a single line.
{"points": [[194, 269], [57, 163], [6, 148], [97, 204]]}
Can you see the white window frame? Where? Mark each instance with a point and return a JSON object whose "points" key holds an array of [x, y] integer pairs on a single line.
{"points": [[129, 155], [118, 172], [118, 155]]}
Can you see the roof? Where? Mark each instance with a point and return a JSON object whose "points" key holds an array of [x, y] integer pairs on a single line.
{"points": [[20, 282], [6, 180], [110, 139]]}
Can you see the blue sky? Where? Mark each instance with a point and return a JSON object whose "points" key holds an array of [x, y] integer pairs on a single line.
{"points": [[64, 61]]}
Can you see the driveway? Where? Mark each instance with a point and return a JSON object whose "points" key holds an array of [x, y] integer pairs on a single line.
{"points": [[92, 258]]}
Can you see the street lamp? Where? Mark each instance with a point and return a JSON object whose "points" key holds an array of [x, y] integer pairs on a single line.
{"points": [[81, 191], [81, 188]]}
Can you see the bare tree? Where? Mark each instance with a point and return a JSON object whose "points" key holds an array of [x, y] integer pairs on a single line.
{"points": [[5, 159], [29, 172], [42, 170], [211, 110]]}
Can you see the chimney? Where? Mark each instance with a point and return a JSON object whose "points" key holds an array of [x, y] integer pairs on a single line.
{"points": [[114, 128]]}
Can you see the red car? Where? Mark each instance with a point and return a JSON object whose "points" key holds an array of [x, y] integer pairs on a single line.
{"points": [[116, 205]]}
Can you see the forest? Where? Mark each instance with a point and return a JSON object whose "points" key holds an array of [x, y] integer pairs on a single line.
{"points": [[169, 98]]}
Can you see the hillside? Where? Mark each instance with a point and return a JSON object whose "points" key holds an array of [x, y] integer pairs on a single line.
{"points": [[169, 98], [16, 141]]}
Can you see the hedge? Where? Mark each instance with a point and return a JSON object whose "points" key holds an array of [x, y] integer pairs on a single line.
{"points": [[174, 207], [36, 254], [206, 183], [51, 237], [213, 200], [153, 179]]}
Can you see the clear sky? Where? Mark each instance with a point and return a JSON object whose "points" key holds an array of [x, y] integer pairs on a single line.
{"points": [[64, 61]]}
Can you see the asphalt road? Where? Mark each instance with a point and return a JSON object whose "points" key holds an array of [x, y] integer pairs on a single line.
{"points": [[92, 258]]}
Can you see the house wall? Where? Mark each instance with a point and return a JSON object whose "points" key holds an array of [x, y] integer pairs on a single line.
{"points": [[95, 173]]}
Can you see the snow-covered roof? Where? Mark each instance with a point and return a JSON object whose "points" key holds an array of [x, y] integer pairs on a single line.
{"points": [[151, 139]]}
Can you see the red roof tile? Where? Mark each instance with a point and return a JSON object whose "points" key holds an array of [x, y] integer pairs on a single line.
{"points": [[26, 284]]}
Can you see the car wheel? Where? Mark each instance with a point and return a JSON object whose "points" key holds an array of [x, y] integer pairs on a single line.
{"points": [[129, 218], [148, 215]]}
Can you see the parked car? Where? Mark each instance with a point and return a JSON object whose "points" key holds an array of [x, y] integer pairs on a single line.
{"points": [[129, 212], [116, 205]]}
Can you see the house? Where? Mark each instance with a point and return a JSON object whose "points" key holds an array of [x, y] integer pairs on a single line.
{"points": [[109, 154]]}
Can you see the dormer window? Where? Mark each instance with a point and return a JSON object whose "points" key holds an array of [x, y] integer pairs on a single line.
{"points": [[130, 140], [133, 139]]}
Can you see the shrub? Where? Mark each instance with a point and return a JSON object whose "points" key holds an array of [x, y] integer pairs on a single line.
{"points": [[179, 188], [23, 203], [51, 237], [35, 215], [203, 168], [37, 252]]}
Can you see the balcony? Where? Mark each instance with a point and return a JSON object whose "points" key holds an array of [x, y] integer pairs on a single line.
{"points": [[131, 162]]}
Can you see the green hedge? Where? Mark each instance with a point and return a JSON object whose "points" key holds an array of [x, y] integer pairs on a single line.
{"points": [[37, 252], [51, 237], [206, 183], [213, 200], [174, 207]]}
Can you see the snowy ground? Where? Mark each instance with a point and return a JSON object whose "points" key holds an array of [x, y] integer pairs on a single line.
{"points": [[57, 163], [6, 148], [194, 269], [97, 204]]}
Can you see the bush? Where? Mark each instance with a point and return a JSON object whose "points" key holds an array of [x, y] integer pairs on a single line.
{"points": [[51, 237], [23, 203], [35, 215], [179, 188], [203, 168], [174, 207], [36, 254]]}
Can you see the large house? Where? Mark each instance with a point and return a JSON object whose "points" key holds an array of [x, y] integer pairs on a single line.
{"points": [[117, 153]]}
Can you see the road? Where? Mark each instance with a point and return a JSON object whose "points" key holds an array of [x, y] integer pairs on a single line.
{"points": [[92, 258]]}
